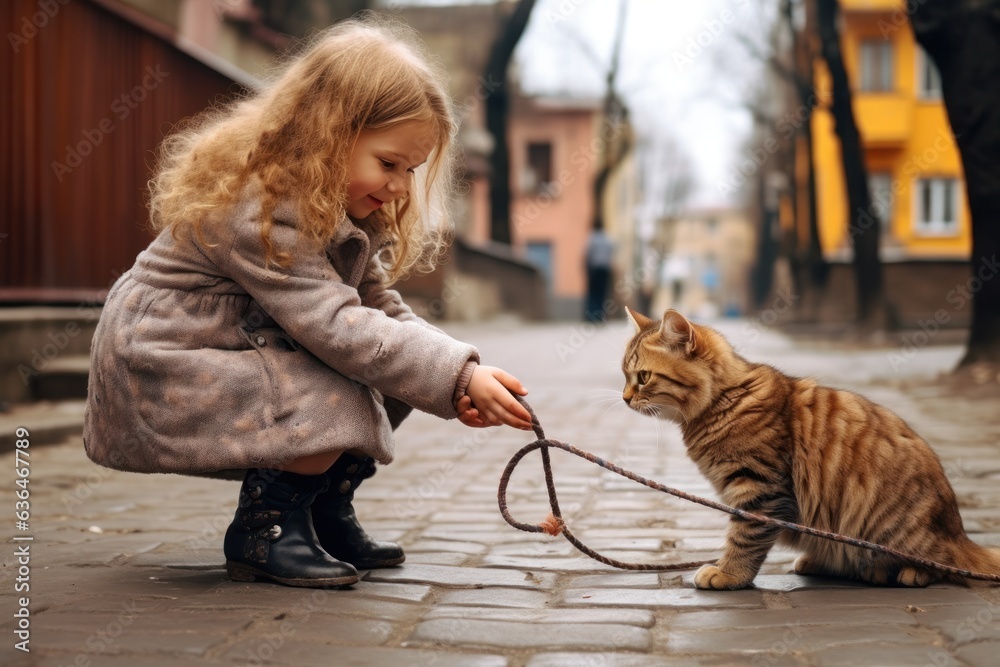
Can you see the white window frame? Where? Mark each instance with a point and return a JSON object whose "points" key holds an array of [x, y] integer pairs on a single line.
{"points": [[924, 62], [880, 81], [939, 223]]}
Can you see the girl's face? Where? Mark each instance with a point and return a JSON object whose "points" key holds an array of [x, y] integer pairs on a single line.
{"points": [[382, 164]]}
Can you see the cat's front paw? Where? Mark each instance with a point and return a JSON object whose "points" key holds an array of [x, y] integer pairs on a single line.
{"points": [[709, 577]]}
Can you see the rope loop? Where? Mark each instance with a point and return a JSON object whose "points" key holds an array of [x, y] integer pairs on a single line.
{"points": [[554, 524]]}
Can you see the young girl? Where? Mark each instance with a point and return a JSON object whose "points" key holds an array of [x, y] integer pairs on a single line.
{"points": [[256, 334]]}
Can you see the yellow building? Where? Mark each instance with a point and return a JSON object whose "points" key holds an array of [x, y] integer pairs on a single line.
{"points": [[915, 173]]}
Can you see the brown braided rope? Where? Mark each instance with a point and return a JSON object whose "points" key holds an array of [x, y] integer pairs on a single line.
{"points": [[555, 524]]}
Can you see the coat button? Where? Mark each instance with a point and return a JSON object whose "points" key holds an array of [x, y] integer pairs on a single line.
{"points": [[261, 341], [345, 486], [274, 533]]}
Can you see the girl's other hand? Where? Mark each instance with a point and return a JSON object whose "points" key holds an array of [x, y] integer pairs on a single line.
{"points": [[488, 400], [468, 414]]}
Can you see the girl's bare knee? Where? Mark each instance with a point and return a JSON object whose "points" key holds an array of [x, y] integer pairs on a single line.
{"points": [[314, 464]]}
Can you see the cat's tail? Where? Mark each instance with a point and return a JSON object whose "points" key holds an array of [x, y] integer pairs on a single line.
{"points": [[977, 558]]}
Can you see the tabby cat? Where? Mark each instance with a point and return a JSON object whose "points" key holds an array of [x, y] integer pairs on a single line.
{"points": [[790, 449]]}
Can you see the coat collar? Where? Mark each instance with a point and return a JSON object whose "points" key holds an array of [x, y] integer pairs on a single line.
{"points": [[349, 251]]}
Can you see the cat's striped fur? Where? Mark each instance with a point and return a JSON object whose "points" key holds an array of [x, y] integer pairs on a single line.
{"points": [[791, 449]]}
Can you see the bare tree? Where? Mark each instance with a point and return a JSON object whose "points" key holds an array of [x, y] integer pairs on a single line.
{"points": [[497, 111], [863, 226], [673, 174], [963, 38], [767, 96], [615, 111]]}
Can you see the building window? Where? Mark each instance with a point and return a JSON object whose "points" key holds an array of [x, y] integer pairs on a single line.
{"points": [[937, 207], [929, 86], [876, 66], [538, 172]]}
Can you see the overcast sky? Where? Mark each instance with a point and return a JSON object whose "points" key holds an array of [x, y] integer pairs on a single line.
{"points": [[676, 70], [681, 72]]}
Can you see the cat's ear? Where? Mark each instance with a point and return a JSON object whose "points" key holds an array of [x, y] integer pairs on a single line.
{"points": [[638, 320], [677, 331]]}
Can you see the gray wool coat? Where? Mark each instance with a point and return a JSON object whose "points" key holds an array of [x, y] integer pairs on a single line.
{"points": [[206, 362]]}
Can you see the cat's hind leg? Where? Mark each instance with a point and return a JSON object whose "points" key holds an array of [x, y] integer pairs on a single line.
{"points": [[807, 564], [915, 577]]}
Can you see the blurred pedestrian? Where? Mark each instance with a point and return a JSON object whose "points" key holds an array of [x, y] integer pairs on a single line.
{"points": [[599, 257], [256, 335]]}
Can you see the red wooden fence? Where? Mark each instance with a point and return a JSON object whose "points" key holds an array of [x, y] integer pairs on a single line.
{"points": [[89, 97]]}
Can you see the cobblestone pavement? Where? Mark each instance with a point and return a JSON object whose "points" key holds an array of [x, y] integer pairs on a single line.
{"points": [[127, 569]]}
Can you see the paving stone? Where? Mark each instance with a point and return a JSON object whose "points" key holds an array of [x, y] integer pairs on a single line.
{"points": [[545, 549], [620, 580], [639, 617], [488, 537], [511, 635], [666, 598], [702, 543], [772, 618], [437, 546], [314, 654], [109, 660], [115, 640], [137, 617], [388, 591], [485, 517], [462, 577], [980, 654], [439, 558], [598, 660], [790, 638], [882, 597], [640, 660], [886, 656], [338, 605], [964, 624], [574, 564], [494, 596], [790, 582], [270, 639]]}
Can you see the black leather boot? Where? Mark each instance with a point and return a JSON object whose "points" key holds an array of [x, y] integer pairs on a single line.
{"points": [[337, 525], [272, 535]]}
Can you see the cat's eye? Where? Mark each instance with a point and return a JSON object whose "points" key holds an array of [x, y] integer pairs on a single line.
{"points": [[643, 377]]}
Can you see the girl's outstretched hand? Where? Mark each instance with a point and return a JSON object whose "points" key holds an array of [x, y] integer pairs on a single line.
{"points": [[487, 400]]}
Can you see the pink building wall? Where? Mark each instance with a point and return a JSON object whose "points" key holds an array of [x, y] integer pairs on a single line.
{"points": [[562, 218]]}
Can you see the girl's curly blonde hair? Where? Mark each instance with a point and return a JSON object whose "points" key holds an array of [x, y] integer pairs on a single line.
{"points": [[296, 137]]}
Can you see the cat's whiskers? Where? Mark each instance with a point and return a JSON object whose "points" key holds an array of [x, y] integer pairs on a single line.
{"points": [[605, 393], [617, 401]]}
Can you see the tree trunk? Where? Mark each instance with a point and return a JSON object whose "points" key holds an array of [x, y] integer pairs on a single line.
{"points": [[616, 143], [497, 107], [819, 270], [863, 226], [963, 39]]}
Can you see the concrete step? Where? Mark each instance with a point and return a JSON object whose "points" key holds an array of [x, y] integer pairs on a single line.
{"points": [[37, 339], [47, 422], [62, 379]]}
